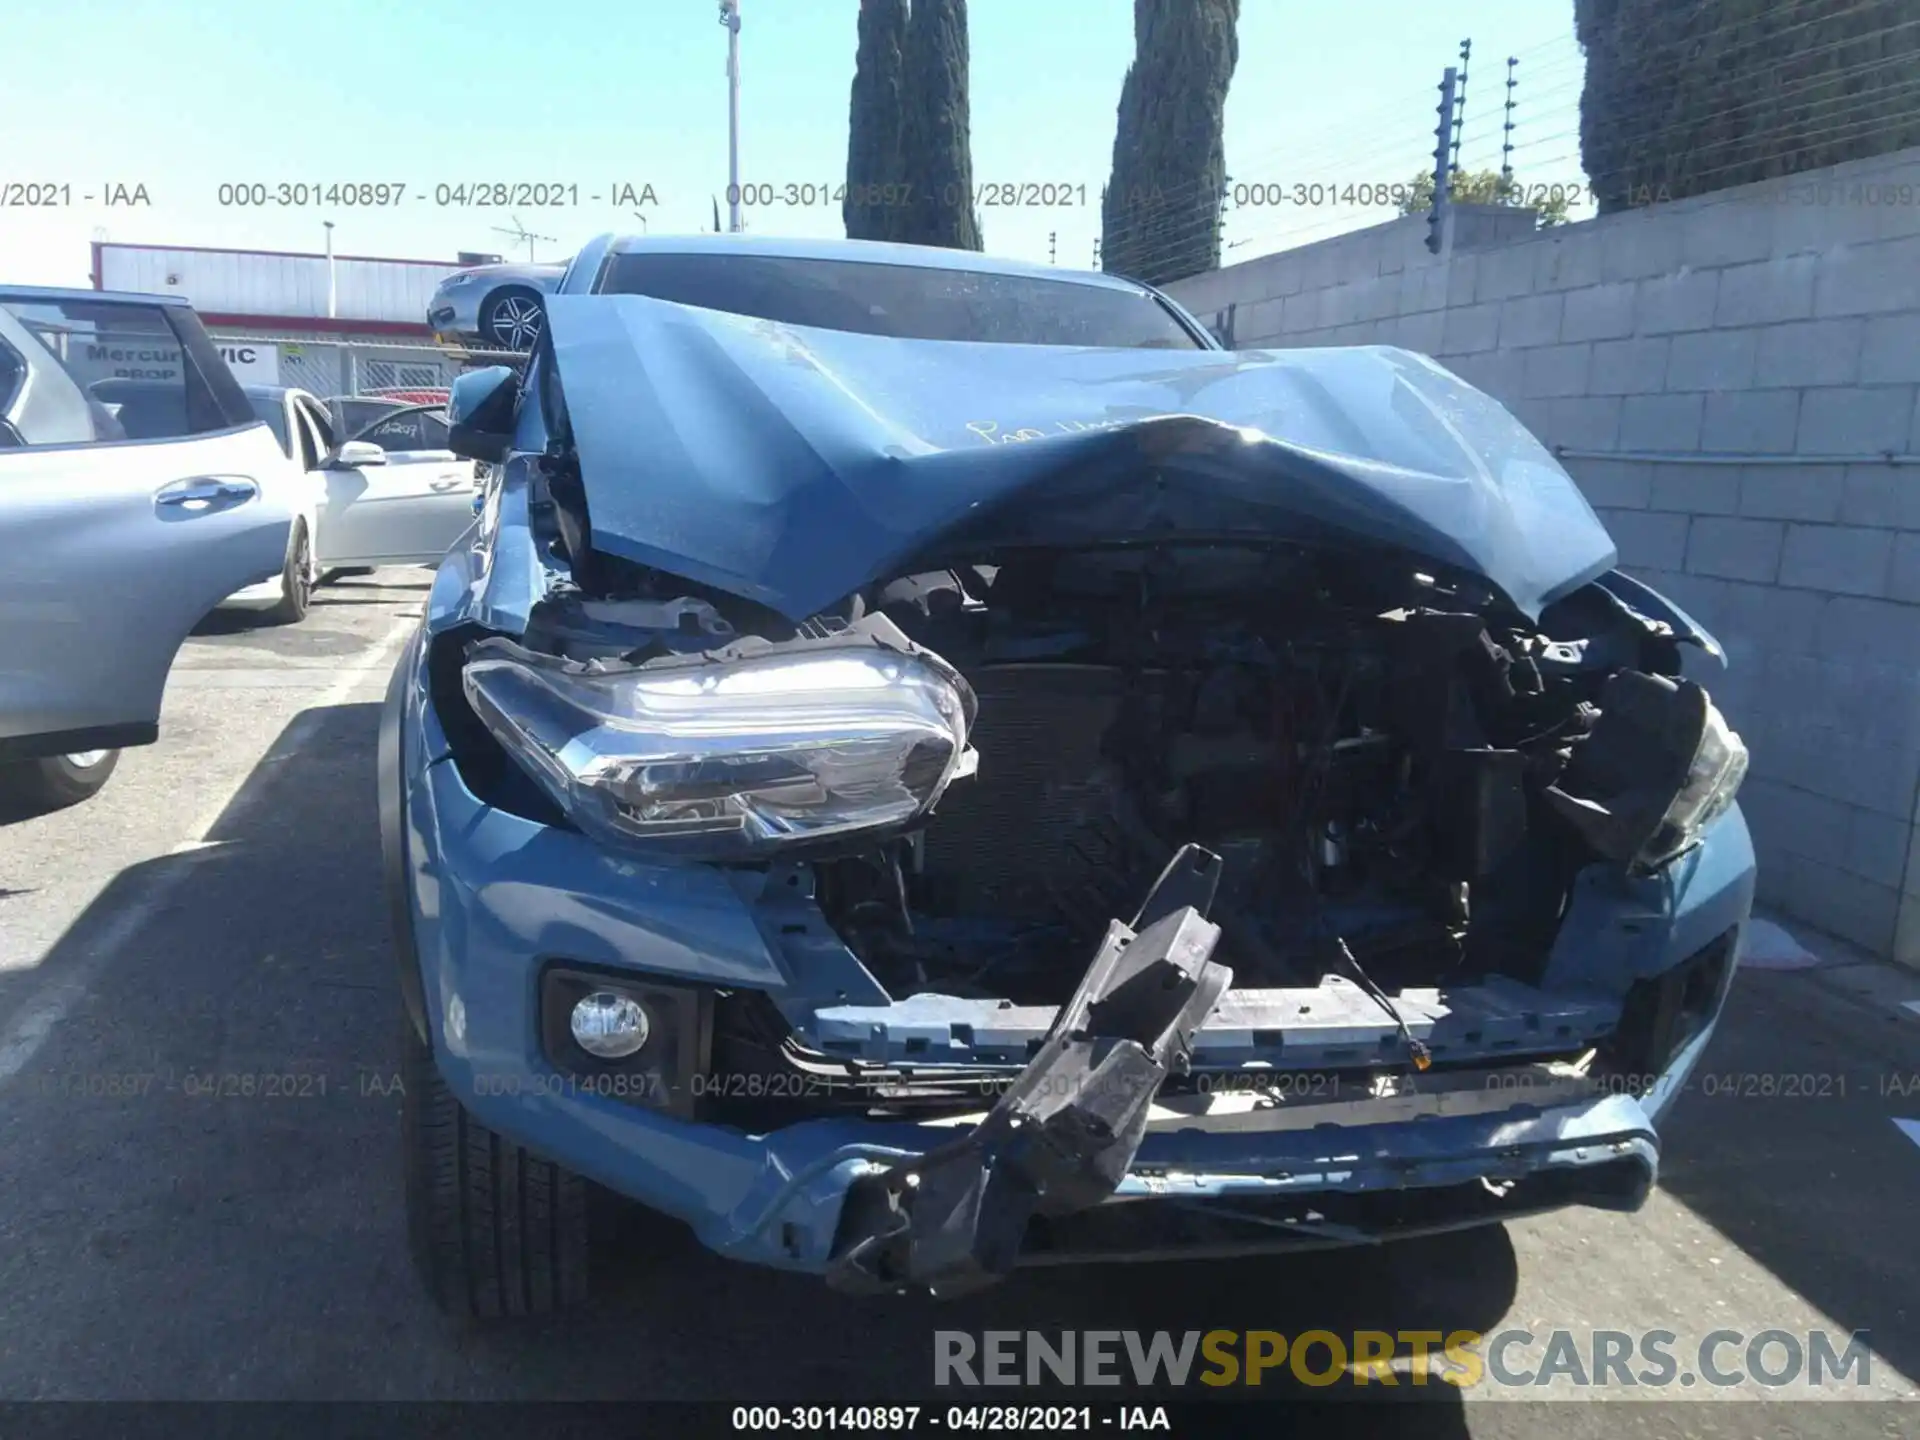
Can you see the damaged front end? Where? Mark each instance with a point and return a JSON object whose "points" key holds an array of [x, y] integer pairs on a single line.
{"points": [[1443, 877], [1064, 1135], [1406, 856]]}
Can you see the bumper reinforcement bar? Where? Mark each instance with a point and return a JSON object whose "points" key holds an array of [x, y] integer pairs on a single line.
{"points": [[1064, 1135]]}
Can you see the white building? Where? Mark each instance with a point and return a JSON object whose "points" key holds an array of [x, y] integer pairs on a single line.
{"points": [[342, 325]]}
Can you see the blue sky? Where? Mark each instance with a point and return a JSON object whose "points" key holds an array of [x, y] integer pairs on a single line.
{"points": [[184, 96]]}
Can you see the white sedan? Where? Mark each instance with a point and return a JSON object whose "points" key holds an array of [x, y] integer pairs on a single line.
{"points": [[388, 493]]}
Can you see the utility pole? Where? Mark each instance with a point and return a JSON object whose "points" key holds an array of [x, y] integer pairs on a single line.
{"points": [[333, 290], [1442, 152], [730, 17]]}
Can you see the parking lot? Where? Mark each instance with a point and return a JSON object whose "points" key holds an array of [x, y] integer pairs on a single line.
{"points": [[199, 1121]]}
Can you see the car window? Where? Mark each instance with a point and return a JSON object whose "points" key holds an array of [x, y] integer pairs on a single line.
{"points": [[129, 371], [325, 432], [273, 410], [414, 427], [908, 302], [349, 413], [315, 444]]}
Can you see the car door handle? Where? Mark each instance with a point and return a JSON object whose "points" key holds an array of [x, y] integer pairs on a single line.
{"points": [[206, 492], [451, 484]]}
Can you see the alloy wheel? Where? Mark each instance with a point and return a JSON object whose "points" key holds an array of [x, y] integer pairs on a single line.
{"points": [[516, 321]]}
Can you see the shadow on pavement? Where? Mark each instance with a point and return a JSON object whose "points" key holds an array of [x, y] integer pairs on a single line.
{"points": [[1784, 1143], [215, 1209]]}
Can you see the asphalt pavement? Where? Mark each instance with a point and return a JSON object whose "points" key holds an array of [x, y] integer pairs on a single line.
{"points": [[199, 1142]]}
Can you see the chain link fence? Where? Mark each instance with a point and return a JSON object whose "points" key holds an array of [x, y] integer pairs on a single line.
{"points": [[412, 373]]}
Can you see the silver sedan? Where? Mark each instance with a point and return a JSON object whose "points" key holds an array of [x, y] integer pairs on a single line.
{"points": [[497, 305]]}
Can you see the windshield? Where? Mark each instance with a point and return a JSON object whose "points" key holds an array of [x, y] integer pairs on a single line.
{"points": [[907, 302]]}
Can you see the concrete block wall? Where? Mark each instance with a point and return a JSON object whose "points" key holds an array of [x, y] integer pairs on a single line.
{"points": [[1733, 381]]}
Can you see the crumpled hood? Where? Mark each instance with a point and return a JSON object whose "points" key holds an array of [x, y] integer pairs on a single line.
{"points": [[792, 465]]}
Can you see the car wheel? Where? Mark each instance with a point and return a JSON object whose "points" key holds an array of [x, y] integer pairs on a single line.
{"points": [[511, 319], [496, 1231], [57, 781], [296, 580]]}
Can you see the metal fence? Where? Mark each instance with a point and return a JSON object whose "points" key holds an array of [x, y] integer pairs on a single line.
{"points": [[355, 367]]}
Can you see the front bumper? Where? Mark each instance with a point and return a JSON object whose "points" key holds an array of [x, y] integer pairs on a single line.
{"points": [[457, 313], [487, 899]]}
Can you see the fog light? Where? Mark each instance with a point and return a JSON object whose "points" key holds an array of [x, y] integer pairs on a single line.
{"points": [[609, 1025]]}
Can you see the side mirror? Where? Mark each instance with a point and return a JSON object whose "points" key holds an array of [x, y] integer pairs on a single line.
{"points": [[354, 454], [480, 412]]}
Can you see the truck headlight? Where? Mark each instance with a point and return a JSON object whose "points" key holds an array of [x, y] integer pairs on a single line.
{"points": [[1713, 778], [730, 757], [1658, 767]]}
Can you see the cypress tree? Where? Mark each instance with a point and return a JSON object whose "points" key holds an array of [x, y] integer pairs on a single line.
{"points": [[1160, 216], [875, 165], [1685, 99], [936, 130]]}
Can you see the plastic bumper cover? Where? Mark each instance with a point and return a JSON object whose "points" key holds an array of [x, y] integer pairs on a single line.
{"points": [[492, 895]]}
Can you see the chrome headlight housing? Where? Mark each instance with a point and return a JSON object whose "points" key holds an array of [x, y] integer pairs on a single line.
{"points": [[1713, 778], [1659, 766], [731, 755]]}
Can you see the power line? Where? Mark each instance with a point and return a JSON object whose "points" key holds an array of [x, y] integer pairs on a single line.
{"points": [[1810, 82], [1189, 189], [1861, 127], [1157, 225], [1771, 98], [1867, 174], [1169, 222], [1852, 123], [1397, 154], [1808, 109], [1657, 76]]}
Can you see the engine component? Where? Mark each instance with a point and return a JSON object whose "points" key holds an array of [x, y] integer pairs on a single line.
{"points": [[997, 839]]}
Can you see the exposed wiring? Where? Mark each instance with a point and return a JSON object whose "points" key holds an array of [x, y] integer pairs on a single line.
{"points": [[1304, 806], [1416, 1048]]}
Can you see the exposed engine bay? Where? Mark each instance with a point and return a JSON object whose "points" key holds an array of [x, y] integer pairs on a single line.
{"points": [[1362, 748], [1400, 774]]}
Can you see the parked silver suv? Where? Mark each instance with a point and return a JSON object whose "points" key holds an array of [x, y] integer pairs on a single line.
{"points": [[131, 504]]}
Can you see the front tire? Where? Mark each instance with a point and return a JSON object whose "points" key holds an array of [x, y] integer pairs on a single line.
{"points": [[296, 580], [496, 1231], [58, 780]]}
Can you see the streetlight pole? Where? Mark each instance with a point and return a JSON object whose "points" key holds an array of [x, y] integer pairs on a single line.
{"points": [[333, 293], [730, 17]]}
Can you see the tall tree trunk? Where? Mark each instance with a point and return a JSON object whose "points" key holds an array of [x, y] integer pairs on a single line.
{"points": [[875, 165], [937, 132], [1681, 100], [1160, 216]]}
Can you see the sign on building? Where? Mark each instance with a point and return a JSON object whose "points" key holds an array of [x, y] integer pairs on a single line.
{"points": [[146, 357]]}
